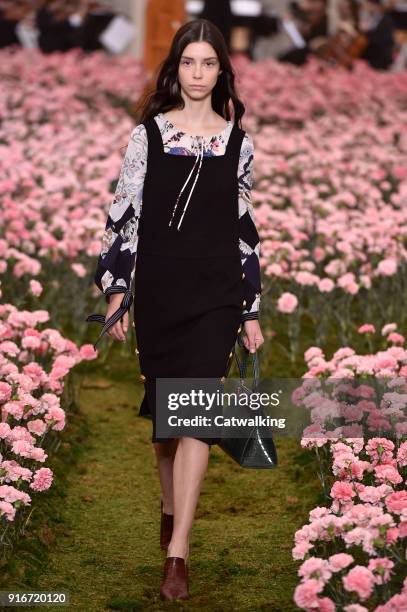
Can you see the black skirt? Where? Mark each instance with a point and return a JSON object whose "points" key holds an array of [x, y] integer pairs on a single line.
{"points": [[189, 324]]}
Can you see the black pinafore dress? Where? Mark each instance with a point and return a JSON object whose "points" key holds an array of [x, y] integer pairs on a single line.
{"points": [[188, 282]]}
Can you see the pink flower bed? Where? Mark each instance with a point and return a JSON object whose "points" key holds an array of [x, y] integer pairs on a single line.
{"points": [[289, 95], [354, 395], [63, 132], [330, 190], [354, 551], [34, 360]]}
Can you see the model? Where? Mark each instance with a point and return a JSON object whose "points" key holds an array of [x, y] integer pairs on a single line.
{"points": [[183, 203]]}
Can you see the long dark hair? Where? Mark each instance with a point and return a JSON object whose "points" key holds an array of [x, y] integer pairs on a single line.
{"points": [[167, 93]]}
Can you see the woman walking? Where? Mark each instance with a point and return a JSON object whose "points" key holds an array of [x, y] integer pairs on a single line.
{"points": [[183, 203]]}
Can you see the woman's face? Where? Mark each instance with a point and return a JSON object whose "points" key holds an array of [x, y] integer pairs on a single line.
{"points": [[198, 69]]}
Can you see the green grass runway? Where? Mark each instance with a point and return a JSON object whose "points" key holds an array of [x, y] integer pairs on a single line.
{"points": [[103, 547]]}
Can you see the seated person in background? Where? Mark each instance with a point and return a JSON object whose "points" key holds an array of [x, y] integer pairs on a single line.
{"points": [[378, 27], [57, 32], [95, 21], [11, 13], [311, 21], [347, 43], [220, 13], [397, 9]]}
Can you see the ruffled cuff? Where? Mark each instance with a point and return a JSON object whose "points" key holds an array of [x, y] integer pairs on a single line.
{"points": [[117, 315]]}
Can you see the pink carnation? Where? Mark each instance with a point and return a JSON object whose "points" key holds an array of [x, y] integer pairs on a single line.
{"points": [[386, 329], [287, 303], [42, 479], [5, 391], [340, 561], [382, 569], [317, 568], [387, 267], [7, 510], [387, 473], [396, 338], [305, 594], [37, 426], [359, 580], [367, 328], [342, 491], [396, 502], [35, 288], [87, 352]]}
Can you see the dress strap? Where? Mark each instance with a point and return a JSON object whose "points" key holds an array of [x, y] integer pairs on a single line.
{"points": [[155, 141], [234, 144]]}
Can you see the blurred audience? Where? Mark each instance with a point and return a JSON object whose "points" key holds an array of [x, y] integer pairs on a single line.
{"points": [[64, 24], [60, 24], [289, 30], [362, 30]]}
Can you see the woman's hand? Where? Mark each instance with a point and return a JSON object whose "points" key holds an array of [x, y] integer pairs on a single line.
{"points": [[119, 329], [253, 338]]}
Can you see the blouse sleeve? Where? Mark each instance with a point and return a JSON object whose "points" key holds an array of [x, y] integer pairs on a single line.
{"points": [[249, 241], [115, 266], [116, 262]]}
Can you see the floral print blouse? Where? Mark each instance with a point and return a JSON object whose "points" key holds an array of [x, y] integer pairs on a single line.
{"points": [[117, 259]]}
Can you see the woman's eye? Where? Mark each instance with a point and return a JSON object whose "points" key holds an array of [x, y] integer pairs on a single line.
{"points": [[187, 62]]}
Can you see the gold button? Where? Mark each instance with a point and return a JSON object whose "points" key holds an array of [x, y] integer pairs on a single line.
{"points": [[231, 353], [134, 325], [240, 329], [243, 276], [222, 379], [136, 351], [244, 302], [142, 377]]}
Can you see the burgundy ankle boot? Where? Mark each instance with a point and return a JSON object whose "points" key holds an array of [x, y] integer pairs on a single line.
{"points": [[167, 522], [175, 579]]}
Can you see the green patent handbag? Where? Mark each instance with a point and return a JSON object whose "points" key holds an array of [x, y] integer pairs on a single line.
{"points": [[256, 450]]}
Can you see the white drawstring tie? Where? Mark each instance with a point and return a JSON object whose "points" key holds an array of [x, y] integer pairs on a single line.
{"points": [[199, 158]]}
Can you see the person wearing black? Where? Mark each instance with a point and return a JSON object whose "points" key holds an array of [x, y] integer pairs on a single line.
{"points": [[56, 32], [11, 13], [220, 13], [379, 29]]}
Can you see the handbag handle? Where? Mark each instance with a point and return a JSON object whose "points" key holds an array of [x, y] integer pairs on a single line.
{"points": [[242, 365]]}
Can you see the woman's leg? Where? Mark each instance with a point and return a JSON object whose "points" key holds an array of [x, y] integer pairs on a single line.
{"points": [[165, 454], [190, 464]]}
